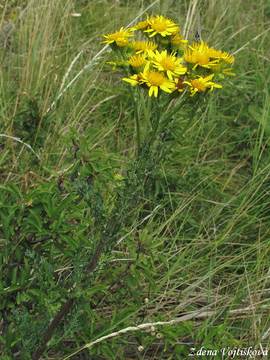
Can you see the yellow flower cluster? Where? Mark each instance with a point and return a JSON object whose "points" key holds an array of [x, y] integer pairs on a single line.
{"points": [[161, 60]]}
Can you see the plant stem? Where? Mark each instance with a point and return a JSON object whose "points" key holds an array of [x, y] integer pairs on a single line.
{"points": [[138, 132]]}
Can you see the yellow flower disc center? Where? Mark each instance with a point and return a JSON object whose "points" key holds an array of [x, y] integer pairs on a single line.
{"points": [[159, 26], [155, 78], [116, 36], [167, 63], [202, 59]]}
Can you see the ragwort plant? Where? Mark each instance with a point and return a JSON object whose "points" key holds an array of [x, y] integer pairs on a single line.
{"points": [[161, 64]]}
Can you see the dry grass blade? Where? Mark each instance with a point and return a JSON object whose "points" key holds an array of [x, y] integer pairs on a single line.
{"points": [[14, 138]]}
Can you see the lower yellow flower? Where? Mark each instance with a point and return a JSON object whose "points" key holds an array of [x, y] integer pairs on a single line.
{"points": [[143, 46], [168, 63], [201, 84], [137, 61], [160, 25], [155, 81], [120, 38]]}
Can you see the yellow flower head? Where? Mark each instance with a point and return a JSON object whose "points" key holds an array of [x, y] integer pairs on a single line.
{"points": [[178, 40], [201, 84], [203, 55], [199, 54], [221, 55], [160, 25], [133, 80], [120, 38], [137, 61], [143, 46], [141, 25], [156, 80], [168, 63]]}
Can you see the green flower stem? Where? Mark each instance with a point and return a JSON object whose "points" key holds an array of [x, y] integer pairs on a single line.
{"points": [[138, 130]]}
